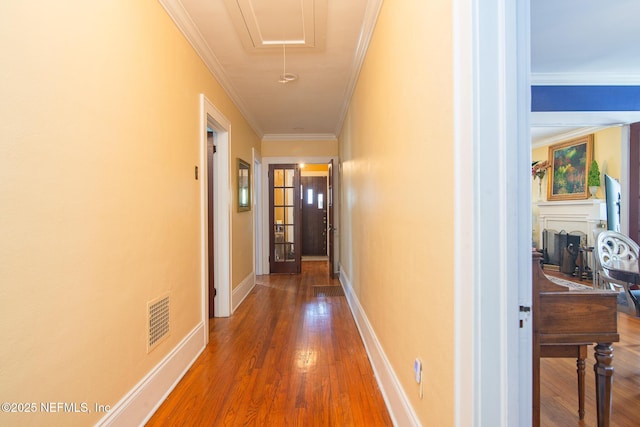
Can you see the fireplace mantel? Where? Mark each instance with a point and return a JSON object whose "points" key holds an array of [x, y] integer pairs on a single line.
{"points": [[571, 215]]}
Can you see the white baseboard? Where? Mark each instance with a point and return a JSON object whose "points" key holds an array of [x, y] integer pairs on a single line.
{"points": [[137, 406], [242, 291], [400, 409]]}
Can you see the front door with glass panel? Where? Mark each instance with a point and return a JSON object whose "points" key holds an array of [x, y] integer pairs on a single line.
{"points": [[284, 214]]}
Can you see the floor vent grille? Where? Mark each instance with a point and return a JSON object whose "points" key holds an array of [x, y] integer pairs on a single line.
{"points": [[328, 291], [158, 321]]}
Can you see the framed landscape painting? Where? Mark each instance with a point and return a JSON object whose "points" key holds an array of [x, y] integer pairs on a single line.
{"points": [[569, 163]]}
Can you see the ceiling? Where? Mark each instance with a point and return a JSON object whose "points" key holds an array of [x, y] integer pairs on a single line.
{"points": [[245, 44], [250, 44], [583, 42]]}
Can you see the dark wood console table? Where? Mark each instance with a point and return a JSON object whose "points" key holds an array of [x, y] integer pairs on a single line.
{"points": [[564, 323]]}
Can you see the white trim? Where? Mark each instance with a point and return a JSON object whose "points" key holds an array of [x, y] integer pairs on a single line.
{"points": [[565, 136], [585, 79], [222, 207], [501, 237], [139, 404], [368, 25], [463, 213], [185, 24], [241, 291], [398, 404], [256, 190], [520, 340], [299, 137]]}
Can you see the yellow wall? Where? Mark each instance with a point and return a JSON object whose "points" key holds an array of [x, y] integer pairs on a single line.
{"points": [[607, 150], [241, 222], [300, 148], [319, 167], [100, 210], [396, 149]]}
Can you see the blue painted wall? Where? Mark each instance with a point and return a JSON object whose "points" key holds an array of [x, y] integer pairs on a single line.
{"points": [[585, 98]]}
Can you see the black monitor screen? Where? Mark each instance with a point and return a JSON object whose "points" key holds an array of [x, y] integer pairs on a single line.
{"points": [[612, 191]]}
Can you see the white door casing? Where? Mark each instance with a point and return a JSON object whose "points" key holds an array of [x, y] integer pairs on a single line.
{"points": [[210, 116]]}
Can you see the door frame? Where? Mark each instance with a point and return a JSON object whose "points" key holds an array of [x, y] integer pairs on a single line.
{"points": [[325, 176], [625, 189], [285, 266], [266, 161], [212, 117], [256, 176], [209, 177], [491, 51], [331, 216]]}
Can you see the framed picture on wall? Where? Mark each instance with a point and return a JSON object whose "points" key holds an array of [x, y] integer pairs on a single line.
{"points": [[568, 171]]}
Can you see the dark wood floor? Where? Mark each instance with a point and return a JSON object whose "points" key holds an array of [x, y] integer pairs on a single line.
{"points": [[558, 383], [285, 357]]}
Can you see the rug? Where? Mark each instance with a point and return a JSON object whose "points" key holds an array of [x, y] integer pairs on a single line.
{"points": [[568, 283]]}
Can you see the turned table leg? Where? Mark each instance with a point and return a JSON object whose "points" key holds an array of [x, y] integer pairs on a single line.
{"points": [[581, 373], [604, 379]]}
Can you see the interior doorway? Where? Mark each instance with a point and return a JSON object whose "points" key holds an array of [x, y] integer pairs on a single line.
{"points": [[332, 199], [315, 206], [215, 235], [256, 191], [634, 182], [211, 149]]}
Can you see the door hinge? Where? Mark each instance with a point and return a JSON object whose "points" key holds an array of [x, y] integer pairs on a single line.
{"points": [[215, 149], [215, 292]]}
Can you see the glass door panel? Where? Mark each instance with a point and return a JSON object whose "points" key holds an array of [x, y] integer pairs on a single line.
{"points": [[284, 186]]}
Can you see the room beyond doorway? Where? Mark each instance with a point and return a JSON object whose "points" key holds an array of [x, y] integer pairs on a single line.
{"points": [[314, 210]]}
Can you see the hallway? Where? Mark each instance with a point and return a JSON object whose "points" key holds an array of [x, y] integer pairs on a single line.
{"points": [[285, 357]]}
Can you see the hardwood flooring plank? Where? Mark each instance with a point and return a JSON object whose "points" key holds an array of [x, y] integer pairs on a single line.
{"points": [[285, 357]]}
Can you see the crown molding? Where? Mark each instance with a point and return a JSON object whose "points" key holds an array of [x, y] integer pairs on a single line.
{"points": [[299, 137], [188, 28], [368, 25], [566, 136], [586, 79]]}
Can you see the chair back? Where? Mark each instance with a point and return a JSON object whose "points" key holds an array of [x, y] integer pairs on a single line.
{"points": [[612, 245]]}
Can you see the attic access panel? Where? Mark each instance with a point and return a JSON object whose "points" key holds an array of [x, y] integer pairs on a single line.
{"points": [[267, 23]]}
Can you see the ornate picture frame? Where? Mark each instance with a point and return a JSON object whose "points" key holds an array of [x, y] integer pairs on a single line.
{"points": [[569, 166]]}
